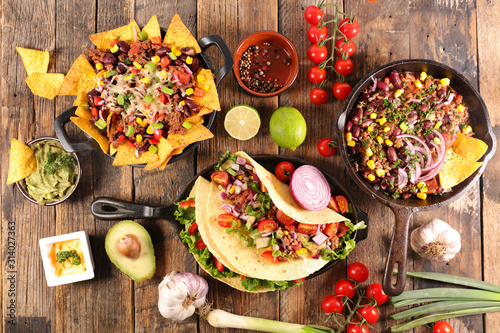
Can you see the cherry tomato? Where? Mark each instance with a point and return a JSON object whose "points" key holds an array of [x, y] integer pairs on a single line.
{"points": [[220, 177], [283, 218], [284, 170], [318, 96], [357, 328], [375, 291], [442, 327], [357, 272], [183, 77], [300, 280], [316, 75], [341, 90], [327, 147], [343, 229], [200, 245], [344, 66], [165, 61], [334, 205], [347, 48], [331, 229], [193, 228], [315, 34], [313, 15], [432, 186], [350, 28], [186, 204], [317, 53], [346, 288], [342, 202], [307, 229], [449, 139], [332, 304], [218, 265], [369, 313], [269, 256], [226, 220], [267, 225]]}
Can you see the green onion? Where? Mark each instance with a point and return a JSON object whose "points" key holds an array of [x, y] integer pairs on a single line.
{"points": [[454, 279], [172, 56], [153, 149], [187, 125], [128, 77], [130, 130], [231, 171], [111, 73], [120, 99], [157, 126], [115, 48], [85, 105], [167, 90], [442, 306], [101, 124], [148, 99], [151, 66], [142, 35]]}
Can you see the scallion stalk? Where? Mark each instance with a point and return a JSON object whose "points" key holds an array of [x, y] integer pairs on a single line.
{"points": [[449, 294], [454, 279], [443, 306]]}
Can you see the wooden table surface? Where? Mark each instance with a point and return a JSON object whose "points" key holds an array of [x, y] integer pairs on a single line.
{"points": [[460, 33]]}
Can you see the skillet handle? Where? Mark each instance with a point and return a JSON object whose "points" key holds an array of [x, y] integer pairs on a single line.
{"points": [[218, 41], [59, 127], [397, 253], [105, 208]]}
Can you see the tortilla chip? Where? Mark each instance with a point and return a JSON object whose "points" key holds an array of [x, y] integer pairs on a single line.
{"points": [[198, 118], [456, 169], [126, 156], [22, 162], [210, 99], [180, 36], [197, 132], [79, 74], [88, 127], [164, 151], [469, 148], [34, 61], [176, 151], [112, 150], [83, 112], [152, 28], [102, 40], [45, 84]]}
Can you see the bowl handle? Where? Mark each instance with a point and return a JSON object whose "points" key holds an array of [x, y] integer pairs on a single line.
{"points": [[62, 135], [397, 253], [105, 208], [217, 40]]}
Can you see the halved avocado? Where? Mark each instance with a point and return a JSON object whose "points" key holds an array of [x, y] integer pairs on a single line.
{"points": [[130, 248]]}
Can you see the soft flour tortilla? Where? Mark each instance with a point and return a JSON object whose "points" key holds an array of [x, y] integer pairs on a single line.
{"points": [[248, 260], [282, 198]]}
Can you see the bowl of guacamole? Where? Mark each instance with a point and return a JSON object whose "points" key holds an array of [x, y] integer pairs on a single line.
{"points": [[56, 176]]}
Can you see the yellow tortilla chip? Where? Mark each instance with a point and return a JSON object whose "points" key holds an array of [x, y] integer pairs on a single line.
{"points": [[176, 151], [152, 28], [197, 132], [126, 156], [22, 162], [179, 36], [164, 150], [469, 148], [198, 118], [456, 169], [112, 150], [210, 99], [79, 74], [34, 61], [45, 84], [102, 40], [83, 112], [81, 95], [88, 127]]}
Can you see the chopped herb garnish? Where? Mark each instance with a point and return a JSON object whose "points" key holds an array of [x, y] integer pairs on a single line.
{"points": [[62, 256]]}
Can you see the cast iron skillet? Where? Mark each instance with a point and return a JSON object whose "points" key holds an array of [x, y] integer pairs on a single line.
{"points": [[91, 144], [403, 209], [113, 209]]}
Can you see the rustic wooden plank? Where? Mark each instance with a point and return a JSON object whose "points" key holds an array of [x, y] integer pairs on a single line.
{"points": [[488, 41]]}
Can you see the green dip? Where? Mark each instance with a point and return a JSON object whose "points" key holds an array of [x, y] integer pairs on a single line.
{"points": [[56, 173]]}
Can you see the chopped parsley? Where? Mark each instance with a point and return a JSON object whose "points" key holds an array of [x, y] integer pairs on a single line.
{"points": [[62, 256], [53, 163]]}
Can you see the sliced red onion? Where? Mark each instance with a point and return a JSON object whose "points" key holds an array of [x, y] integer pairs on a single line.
{"points": [[310, 188], [187, 69], [240, 172], [228, 187], [433, 173], [131, 119], [244, 186], [135, 33], [244, 216], [316, 255], [250, 193], [237, 189], [374, 84], [99, 88], [267, 234], [441, 155], [320, 238], [255, 196], [416, 139], [100, 115], [293, 235], [235, 166], [183, 91], [241, 161], [105, 94], [402, 178], [223, 195], [439, 106], [256, 177], [248, 166], [414, 100], [450, 98], [237, 182], [420, 157], [136, 152], [417, 172], [230, 208]]}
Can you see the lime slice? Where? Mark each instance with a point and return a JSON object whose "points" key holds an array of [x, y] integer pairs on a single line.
{"points": [[242, 122]]}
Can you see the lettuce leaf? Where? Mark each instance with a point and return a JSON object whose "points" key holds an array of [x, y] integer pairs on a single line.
{"points": [[347, 243]]}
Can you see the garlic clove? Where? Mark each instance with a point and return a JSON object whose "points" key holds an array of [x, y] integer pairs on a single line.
{"points": [[436, 240]]}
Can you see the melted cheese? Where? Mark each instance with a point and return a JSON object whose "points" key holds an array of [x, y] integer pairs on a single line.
{"points": [[67, 268]]}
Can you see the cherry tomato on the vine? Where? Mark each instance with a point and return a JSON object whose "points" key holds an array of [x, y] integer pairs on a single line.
{"points": [[346, 288], [318, 96], [313, 15], [327, 147], [284, 171], [341, 90], [442, 327], [315, 34], [344, 66], [347, 48], [376, 292], [369, 313], [357, 328], [332, 304], [317, 53], [358, 272], [316, 75], [350, 28]]}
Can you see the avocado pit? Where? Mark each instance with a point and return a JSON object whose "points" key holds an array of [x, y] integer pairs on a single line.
{"points": [[129, 246]]}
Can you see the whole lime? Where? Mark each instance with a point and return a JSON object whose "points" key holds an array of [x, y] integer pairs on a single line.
{"points": [[288, 127]]}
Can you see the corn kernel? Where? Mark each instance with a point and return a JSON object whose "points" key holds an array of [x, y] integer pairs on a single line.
{"points": [[380, 172], [189, 60], [387, 129], [251, 177], [138, 120], [382, 121], [438, 124], [200, 78], [369, 152], [398, 93], [423, 190], [370, 164], [369, 129], [421, 195], [286, 233], [137, 65], [351, 143], [301, 252], [380, 140], [206, 87], [156, 59], [467, 130], [373, 115], [421, 184], [418, 84], [423, 76], [144, 123], [163, 74], [145, 80], [99, 66], [371, 177], [240, 177], [150, 130], [460, 108], [348, 136], [389, 143], [189, 91], [231, 190], [182, 103], [437, 141], [445, 81], [138, 138]]}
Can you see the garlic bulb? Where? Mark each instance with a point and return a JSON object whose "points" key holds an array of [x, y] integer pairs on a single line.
{"points": [[180, 294], [436, 240]]}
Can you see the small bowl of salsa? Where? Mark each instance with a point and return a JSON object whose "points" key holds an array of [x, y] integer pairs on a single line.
{"points": [[57, 174], [266, 63]]}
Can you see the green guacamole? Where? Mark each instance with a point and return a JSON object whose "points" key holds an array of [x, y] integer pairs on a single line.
{"points": [[56, 173]]}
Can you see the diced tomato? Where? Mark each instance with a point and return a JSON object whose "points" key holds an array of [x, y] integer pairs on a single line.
{"points": [[432, 186], [267, 225], [94, 112], [130, 144], [343, 229], [297, 246], [449, 139], [343, 203], [220, 177], [155, 118], [134, 49], [153, 141], [134, 70], [269, 256], [113, 42], [226, 220], [147, 106], [187, 204], [291, 227], [307, 229], [193, 228], [165, 62], [97, 99], [199, 92], [299, 280], [119, 129], [121, 138], [200, 245], [183, 77], [283, 218], [163, 98], [113, 118], [242, 277], [157, 134], [334, 205], [331, 229], [156, 40], [220, 267]]}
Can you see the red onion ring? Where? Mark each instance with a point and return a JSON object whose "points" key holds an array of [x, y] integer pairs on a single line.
{"points": [[310, 188]]}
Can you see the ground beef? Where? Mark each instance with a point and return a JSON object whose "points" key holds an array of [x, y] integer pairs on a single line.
{"points": [[96, 55], [175, 121]]}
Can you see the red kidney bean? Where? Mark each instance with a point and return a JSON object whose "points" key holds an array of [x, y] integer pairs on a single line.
{"points": [[144, 148], [355, 120], [391, 154], [109, 59], [188, 51], [441, 93], [351, 151], [195, 64], [182, 57], [163, 51], [414, 191], [446, 119], [427, 124], [429, 137], [121, 68], [394, 77], [187, 112], [424, 107], [348, 126], [383, 93], [396, 131], [385, 183], [192, 105], [367, 111], [401, 153], [178, 62], [382, 86], [439, 190], [356, 130], [151, 53], [366, 123], [406, 195], [358, 112], [124, 47], [364, 97], [412, 117]]}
